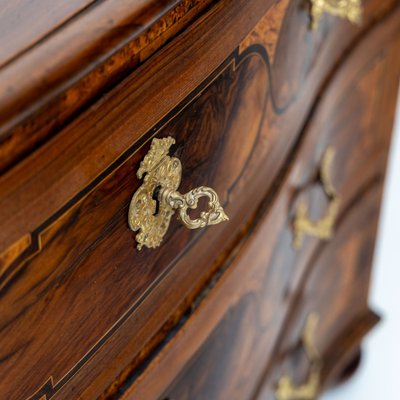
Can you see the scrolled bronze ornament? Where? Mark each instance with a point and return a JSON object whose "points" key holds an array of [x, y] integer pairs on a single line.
{"points": [[324, 227], [346, 9], [154, 203], [286, 389]]}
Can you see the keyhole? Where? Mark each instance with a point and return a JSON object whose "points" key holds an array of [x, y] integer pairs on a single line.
{"points": [[155, 197]]}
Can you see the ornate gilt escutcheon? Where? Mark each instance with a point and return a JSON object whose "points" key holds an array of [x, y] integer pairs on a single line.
{"points": [[154, 203], [346, 9], [286, 390], [323, 228]]}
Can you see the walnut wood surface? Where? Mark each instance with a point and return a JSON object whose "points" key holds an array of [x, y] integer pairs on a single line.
{"points": [[267, 291], [55, 79], [87, 244], [63, 74], [81, 309], [35, 190], [25, 22], [336, 287]]}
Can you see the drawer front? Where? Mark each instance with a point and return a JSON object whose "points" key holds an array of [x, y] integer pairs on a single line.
{"points": [[335, 295], [254, 315], [88, 277], [80, 306]]}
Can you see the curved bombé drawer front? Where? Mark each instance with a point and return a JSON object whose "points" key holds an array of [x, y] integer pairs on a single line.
{"points": [[252, 319], [87, 279], [329, 314], [245, 344], [78, 301]]}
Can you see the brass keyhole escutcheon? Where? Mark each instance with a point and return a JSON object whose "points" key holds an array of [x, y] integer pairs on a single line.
{"points": [[154, 203]]}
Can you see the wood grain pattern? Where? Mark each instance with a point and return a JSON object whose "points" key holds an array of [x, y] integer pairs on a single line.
{"points": [[341, 355], [24, 22], [219, 352], [52, 177], [74, 260], [44, 88], [94, 141], [336, 287], [75, 294]]}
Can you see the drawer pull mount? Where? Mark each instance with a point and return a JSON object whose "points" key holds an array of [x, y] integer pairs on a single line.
{"points": [[346, 9], [286, 390], [323, 228], [154, 203]]}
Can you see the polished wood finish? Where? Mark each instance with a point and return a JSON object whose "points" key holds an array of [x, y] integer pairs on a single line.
{"points": [[220, 350], [23, 23], [79, 244], [209, 314], [74, 64]]}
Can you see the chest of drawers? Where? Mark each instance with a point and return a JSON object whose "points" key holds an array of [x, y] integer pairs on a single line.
{"points": [[116, 117]]}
